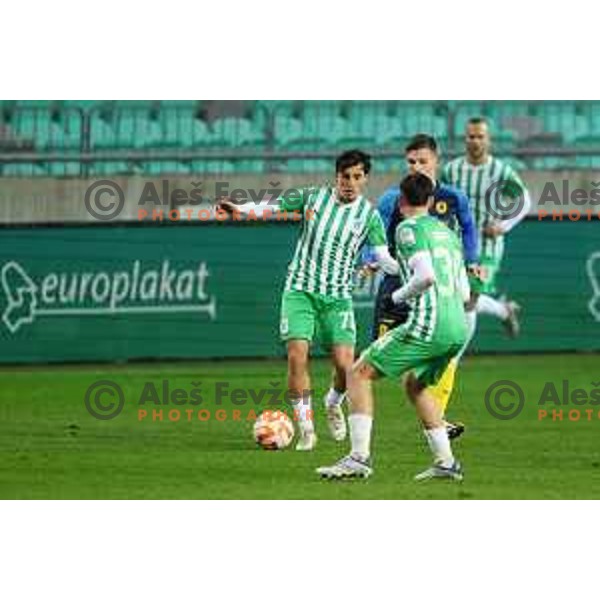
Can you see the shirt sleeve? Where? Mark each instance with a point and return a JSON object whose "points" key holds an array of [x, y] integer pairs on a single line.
{"points": [[513, 186], [468, 228], [294, 199], [376, 230], [386, 204], [385, 207]]}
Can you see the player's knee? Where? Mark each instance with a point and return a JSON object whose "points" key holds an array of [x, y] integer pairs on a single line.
{"points": [[361, 371], [297, 357], [413, 387], [343, 358]]}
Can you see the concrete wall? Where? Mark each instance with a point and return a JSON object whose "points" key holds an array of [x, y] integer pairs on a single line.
{"points": [[54, 200]]}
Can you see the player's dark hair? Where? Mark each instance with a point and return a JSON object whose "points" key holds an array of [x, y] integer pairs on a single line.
{"points": [[420, 141], [416, 189], [352, 158], [477, 121]]}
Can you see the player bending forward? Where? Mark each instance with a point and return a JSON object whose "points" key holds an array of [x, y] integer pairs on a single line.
{"points": [[317, 298], [431, 265]]}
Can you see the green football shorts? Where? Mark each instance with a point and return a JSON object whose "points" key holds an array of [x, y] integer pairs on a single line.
{"points": [[397, 353], [305, 315]]}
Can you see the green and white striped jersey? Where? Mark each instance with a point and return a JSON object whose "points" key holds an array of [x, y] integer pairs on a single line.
{"points": [[332, 234], [485, 185], [437, 315]]}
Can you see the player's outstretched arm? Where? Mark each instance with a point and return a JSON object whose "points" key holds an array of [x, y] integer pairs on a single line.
{"points": [[422, 278], [384, 260]]}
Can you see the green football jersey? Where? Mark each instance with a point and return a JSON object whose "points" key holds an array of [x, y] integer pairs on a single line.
{"points": [[437, 315], [485, 185], [331, 237]]}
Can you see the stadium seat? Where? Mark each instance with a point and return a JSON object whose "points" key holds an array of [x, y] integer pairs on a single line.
{"points": [[291, 127], [102, 135], [308, 144], [111, 168], [307, 165], [318, 125], [135, 129], [363, 142], [64, 169], [23, 170], [286, 129], [213, 167], [250, 166], [235, 132], [180, 128], [170, 166]]}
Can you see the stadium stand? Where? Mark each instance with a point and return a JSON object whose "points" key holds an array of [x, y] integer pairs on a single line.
{"points": [[86, 137]]}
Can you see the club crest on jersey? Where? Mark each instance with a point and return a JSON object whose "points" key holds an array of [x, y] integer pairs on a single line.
{"points": [[356, 226]]}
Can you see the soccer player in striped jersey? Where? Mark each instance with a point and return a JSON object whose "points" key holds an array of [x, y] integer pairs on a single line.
{"points": [[452, 207], [489, 182], [317, 298], [435, 284]]}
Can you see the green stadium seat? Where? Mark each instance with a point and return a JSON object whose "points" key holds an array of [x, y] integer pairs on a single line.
{"points": [[554, 163], [82, 104], [287, 108], [160, 167], [111, 168], [309, 144], [180, 128], [71, 124], [23, 170], [362, 142], [102, 135], [569, 125], [135, 130], [250, 165], [330, 129], [212, 166], [66, 169], [235, 132], [286, 129], [389, 165], [308, 165], [413, 110], [367, 110], [317, 110], [366, 124]]}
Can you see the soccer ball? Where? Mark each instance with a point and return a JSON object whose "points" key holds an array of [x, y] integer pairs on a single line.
{"points": [[273, 430]]}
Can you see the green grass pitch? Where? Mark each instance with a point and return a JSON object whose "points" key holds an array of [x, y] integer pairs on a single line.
{"points": [[50, 446]]}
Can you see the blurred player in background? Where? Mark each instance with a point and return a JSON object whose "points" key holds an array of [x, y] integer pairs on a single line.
{"points": [[450, 206], [317, 299], [487, 181], [435, 284]]}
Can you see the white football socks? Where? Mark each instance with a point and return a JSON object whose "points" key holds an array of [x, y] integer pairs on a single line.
{"points": [[360, 434], [334, 398], [439, 445], [471, 318], [490, 306], [303, 408]]}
